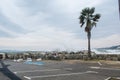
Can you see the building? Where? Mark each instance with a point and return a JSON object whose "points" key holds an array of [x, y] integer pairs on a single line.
{"points": [[2, 56]]}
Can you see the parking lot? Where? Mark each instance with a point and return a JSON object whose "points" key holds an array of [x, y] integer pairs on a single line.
{"points": [[59, 70]]}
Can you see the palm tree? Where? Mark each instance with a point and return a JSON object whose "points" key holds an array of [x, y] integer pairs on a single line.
{"points": [[90, 20]]}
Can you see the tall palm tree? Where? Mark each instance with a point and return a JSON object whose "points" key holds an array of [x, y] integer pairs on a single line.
{"points": [[90, 20]]}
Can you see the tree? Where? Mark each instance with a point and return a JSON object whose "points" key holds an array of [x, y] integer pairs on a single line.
{"points": [[90, 20]]}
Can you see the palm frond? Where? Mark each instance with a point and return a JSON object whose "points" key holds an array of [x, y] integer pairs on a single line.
{"points": [[94, 19], [86, 10], [97, 16], [81, 19], [83, 13], [92, 10], [82, 24], [93, 24]]}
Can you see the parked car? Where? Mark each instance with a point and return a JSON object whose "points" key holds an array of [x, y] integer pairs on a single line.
{"points": [[29, 59], [39, 59], [19, 60]]}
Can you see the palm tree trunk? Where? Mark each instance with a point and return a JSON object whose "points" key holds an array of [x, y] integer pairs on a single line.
{"points": [[119, 7], [89, 47]]}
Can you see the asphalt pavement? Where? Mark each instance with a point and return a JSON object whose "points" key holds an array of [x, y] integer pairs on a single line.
{"points": [[56, 70]]}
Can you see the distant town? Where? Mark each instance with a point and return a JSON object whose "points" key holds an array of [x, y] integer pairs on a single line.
{"points": [[57, 55]]}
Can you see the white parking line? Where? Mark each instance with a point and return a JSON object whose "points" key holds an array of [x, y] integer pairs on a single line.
{"points": [[118, 78], [111, 68], [108, 78], [42, 70], [36, 71], [95, 67], [99, 63], [67, 74], [27, 77], [104, 68]]}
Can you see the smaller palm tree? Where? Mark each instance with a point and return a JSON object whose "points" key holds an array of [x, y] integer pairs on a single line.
{"points": [[90, 19]]}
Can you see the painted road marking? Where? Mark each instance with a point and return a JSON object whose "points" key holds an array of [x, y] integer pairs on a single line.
{"points": [[99, 63], [91, 72], [42, 70], [27, 77], [37, 71], [67, 74], [104, 68], [118, 78], [108, 78], [95, 67]]}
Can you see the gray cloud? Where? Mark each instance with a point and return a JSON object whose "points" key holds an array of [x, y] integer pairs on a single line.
{"points": [[9, 25], [55, 23]]}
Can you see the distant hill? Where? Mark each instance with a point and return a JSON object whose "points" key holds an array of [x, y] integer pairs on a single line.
{"points": [[108, 50], [112, 47], [105, 50], [9, 51]]}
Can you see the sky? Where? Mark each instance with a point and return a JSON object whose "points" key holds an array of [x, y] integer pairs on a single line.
{"points": [[54, 24]]}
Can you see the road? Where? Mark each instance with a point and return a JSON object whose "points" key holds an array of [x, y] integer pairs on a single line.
{"points": [[57, 70]]}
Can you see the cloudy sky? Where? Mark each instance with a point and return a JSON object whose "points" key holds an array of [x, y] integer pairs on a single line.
{"points": [[54, 24]]}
